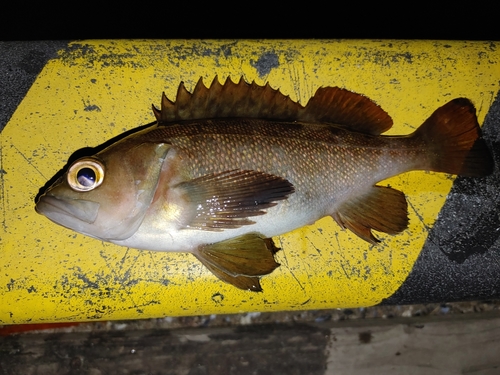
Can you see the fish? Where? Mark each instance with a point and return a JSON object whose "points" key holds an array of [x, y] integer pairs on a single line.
{"points": [[226, 167]]}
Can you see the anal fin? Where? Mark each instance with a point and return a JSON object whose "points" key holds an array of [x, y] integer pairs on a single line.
{"points": [[383, 209], [240, 261]]}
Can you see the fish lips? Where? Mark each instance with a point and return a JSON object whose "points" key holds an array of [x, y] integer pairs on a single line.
{"points": [[71, 213]]}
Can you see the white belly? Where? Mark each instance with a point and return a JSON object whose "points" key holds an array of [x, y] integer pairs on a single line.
{"points": [[169, 238]]}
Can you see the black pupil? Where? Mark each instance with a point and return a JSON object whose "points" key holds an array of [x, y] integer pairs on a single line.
{"points": [[86, 177]]}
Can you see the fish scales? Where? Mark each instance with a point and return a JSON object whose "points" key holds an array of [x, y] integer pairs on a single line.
{"points": [[228, 167], [321, 161]]}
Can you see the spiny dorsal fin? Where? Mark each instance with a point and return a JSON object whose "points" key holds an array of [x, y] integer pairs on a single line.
{"points": [[231, 99], [330, 105]]}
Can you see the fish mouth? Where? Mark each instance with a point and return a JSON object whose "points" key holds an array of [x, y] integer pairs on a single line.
{"points": [[65, 210]]}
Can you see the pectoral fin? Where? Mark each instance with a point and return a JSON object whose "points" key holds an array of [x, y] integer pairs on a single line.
{"points": [[383, 209], [226, 200], [240, 261]]}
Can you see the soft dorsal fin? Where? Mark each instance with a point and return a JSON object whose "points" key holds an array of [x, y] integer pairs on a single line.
{"points": [[339, 106], [330, 105]]}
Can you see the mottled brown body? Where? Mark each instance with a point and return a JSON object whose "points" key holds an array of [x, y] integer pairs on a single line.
{"points": [[228, 167], [324, 163]]}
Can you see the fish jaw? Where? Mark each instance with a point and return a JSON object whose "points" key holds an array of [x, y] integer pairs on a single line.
{"points": [[60, 209], [75, 214], [84, 216]]}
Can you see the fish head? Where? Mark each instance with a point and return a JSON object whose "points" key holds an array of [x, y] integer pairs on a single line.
{"points": [[106, 195]]}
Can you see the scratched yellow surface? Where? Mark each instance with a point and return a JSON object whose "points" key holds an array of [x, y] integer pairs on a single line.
{"points": [[95, 90]]}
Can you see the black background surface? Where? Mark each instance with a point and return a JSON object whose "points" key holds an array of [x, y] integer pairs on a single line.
{"points": [[173, 20]]}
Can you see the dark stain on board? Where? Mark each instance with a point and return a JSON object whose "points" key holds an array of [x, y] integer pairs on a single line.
{"points": [[265, 63], [365, 337]]}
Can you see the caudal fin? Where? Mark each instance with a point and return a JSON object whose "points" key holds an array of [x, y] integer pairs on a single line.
{"points": [[453, 140]]}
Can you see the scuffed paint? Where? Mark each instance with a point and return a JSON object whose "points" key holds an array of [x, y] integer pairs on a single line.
{"points": [[96, 90]]}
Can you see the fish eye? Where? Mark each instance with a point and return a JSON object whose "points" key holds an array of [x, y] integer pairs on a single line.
{"points": [[85, 175]]}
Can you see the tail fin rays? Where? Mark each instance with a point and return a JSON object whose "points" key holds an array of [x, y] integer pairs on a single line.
{"points": [[454, 143]]}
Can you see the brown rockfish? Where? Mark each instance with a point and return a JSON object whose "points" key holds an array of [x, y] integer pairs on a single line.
{"points": [[226, 168]]}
